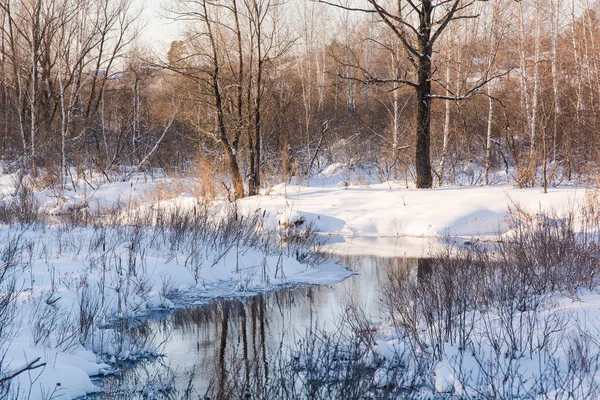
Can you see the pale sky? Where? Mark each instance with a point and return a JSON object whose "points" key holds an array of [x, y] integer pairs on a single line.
{"points": [[158, 32]]}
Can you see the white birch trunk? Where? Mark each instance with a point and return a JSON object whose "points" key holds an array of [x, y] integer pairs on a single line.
{"points": [[396, 121], [446, 133], [536, 84], [525, 103], [33, 96], [555, 88], [63, 128]]}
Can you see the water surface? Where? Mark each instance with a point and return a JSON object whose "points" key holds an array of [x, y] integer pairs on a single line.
{"points": [[237, 339]]}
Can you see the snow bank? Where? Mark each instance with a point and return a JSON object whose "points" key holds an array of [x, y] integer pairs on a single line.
{"points": [[390, 210], [561, 362], [74, 281]]}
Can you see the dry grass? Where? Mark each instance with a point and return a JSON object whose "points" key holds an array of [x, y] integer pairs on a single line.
{"points": [[168, 190]]}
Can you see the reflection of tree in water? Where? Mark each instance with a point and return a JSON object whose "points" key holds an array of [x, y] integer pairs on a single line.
{"points": [[239, 330], [244, 346], [252, 337], [221, 338], [424, 268]]}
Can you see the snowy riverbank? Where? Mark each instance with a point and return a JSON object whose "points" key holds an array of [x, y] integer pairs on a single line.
{"points": [[69, 289], [334, 206]]}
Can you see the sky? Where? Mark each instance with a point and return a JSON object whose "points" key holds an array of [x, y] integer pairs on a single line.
{"points": [[158, 31]]}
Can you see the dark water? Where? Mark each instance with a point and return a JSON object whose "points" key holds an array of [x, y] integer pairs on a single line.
{"points": [[226, 341]]}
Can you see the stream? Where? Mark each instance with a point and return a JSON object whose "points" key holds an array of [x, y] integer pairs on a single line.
{"points": [[232, 338]]}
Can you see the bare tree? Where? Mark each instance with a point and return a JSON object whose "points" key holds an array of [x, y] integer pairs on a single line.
{"points": [[418, 25], [233, 44], [209, 73]]}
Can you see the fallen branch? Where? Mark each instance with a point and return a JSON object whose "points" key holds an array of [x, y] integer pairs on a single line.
{"points": [[27, 367]]}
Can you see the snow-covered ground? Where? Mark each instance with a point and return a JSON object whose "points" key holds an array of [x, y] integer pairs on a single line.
{"points": [[389, 209], [548, 351], [408, 221], [334, 204], [60, 271], [75, 284], [553, 356]]}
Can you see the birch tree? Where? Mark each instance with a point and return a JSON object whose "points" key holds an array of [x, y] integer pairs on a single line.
{"points": [[496, 31]]}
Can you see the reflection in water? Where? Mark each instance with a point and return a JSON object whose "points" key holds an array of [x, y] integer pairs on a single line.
{"points": [[227, 349], [424, 267]]}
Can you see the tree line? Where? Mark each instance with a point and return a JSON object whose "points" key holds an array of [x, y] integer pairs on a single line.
{"points": [[262, 91]]}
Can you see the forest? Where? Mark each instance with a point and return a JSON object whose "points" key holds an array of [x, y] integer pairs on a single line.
{"points": [[263, 91]]}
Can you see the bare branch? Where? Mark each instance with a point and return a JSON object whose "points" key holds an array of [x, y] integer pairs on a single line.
{"points": [[473, 91], [337, 5], [379, 80], [27, 367]]}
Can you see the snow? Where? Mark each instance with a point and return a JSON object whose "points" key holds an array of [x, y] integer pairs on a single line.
{"points": [[461, 372], [385, 219], [334, 203], [59, 267], [389, 210], [65, 266]]}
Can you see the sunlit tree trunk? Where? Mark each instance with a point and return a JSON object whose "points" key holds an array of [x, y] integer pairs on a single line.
{"points": [[236, 176], [579, 105], [556, 6], [536, 85], [396, 105], [495, 22], [446, 133], [305, 67], [488, 139]]}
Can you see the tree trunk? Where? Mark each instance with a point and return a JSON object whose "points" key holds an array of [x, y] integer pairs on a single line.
{"points": [[63, 129], [536, 90], [33, 93], [423, 89], [555, 88], [423, 162], [396, 122], [236, 177], [488, 140], [255, 104], [579, 107], [252, 187]]}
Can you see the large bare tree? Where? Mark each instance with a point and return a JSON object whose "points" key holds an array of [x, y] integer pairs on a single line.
{"points": [[418, 25]]}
